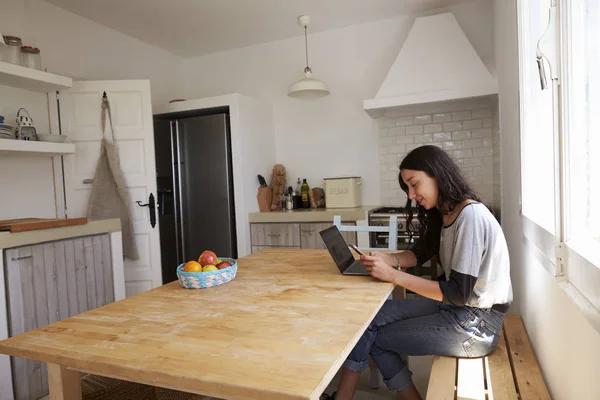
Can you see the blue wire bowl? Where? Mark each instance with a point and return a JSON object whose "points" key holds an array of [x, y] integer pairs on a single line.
{"points": [[203, 280]]}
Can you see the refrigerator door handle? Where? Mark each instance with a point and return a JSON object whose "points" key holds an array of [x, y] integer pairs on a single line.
{"points": [[175, 197], [180, 189]]}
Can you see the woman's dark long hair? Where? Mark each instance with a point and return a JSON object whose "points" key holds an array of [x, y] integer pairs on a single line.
{"points": [[453, 188]]}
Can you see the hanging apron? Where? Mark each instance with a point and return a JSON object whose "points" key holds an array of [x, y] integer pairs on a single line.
{"points": [[108, 198]]}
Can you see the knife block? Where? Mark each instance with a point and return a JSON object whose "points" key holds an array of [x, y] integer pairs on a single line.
{"points": [[264, 197]]}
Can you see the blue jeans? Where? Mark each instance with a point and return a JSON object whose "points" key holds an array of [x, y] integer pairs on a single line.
{"points": [[418, 327]]}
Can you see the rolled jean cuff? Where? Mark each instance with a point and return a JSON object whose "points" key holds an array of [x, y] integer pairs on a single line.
{"points": [[356, 366], [400, 381]]}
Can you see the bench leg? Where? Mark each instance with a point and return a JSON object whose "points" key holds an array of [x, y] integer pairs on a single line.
{"points": [[64, 384]]}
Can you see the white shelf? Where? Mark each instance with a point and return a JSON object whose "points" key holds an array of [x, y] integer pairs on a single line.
{"points": [[13, 147], [32, 79]]}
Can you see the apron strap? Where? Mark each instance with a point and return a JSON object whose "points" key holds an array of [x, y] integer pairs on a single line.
{"points": [[106, 110]]}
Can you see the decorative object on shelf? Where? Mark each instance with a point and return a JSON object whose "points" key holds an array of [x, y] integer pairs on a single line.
{"points": [[108, 197], [316, 196], [25, 128], [6, 131], [31, 58], [307, 87], [11, 52], [278, 186]]}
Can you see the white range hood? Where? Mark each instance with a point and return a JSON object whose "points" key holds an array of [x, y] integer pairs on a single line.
{"points": [[436, 63]]}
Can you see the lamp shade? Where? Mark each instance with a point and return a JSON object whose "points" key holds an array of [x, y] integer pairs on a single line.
{"points": [[308, 87]]}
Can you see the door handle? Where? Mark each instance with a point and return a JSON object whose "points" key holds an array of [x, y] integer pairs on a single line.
{"points": [[151, 207]]}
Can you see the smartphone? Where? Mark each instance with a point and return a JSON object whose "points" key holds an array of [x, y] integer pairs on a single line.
{"points": [[356, 249]]}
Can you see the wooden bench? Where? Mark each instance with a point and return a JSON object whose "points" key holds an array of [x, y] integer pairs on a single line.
{"points": [[510, 372]]}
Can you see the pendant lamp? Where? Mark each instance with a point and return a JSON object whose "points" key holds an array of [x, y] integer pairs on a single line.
{"points": [[307, 87]]}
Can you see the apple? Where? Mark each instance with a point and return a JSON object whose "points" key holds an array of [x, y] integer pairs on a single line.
{"points": [[207, 258], [223, 264]]}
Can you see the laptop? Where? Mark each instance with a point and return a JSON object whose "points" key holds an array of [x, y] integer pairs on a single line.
{"points": [[341, 254]]}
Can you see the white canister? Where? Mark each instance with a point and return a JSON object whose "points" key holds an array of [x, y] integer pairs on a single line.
{"points": [[343, 192]]}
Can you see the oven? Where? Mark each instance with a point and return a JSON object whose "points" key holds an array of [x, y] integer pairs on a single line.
{"points": [[381, 217]]}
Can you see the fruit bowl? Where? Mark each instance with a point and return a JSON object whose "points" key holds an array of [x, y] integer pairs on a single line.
{"points": [[202, 280]]}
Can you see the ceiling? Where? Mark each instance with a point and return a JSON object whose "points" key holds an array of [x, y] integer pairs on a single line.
{"points": [[192, 28]]}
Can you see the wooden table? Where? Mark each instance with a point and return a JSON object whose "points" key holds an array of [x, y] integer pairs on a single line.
{"points": [[280, 330]]}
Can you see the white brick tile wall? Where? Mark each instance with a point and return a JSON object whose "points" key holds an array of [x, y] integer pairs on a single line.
{"points": [[404, 121], [425, 138], [482, 151], [452, 126], [397, 149], [472, 162], [481, 133], [453, 145], [422, 119], [414, 130], [397, 130], [461, 116], [470, 135], [458, 135], [473, 124], [442, 136], [432, 128], [462, 153], [441, 118], [386, 123], [472, 143], [481, 113], [405, 139]]}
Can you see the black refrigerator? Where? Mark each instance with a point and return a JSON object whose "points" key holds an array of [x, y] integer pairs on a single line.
{"points": [[195, 189]]}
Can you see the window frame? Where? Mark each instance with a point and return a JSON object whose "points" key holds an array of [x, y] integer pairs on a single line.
{"points": [[575, 269]]}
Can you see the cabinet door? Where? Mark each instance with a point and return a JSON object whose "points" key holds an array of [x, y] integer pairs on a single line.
{"points": [[311, 239], [26, 296], [275, 235], [50, 282]]}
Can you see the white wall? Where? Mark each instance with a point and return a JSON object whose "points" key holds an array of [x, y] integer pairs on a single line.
{"points": [[332, 135], [82, 49], [76, 47], [566, 345]]}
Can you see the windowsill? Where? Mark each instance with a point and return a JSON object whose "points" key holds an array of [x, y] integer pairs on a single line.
{"points": [[588, 310], [586, 248]]}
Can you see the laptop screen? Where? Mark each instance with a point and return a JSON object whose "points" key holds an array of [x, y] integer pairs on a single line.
{"points": [[337, 246]]}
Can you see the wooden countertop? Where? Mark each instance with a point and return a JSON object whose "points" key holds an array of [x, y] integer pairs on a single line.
{"points": [[280, 330], [8, 240], [311, 215]]}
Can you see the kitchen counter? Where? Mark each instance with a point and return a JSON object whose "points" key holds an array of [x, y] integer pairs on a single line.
{"points": [[311, 215], [8, 240]]}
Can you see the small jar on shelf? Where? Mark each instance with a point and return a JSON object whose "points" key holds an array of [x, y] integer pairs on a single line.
{"points": [[31, 58], [11, 53]]}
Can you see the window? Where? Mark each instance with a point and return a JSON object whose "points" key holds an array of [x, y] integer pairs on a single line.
{"points": [[582, 144], [560, 142]]}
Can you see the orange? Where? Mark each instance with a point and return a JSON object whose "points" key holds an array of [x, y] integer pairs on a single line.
{"points": [[192, 266]]}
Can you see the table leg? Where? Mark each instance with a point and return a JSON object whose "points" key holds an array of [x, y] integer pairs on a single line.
{"points": [[64, 383]]}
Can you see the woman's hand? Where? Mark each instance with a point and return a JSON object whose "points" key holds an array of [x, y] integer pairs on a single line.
{"points": [[379, 267]]}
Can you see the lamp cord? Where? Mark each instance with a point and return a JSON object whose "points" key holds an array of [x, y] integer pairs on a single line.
{"points": [[306, 48]]}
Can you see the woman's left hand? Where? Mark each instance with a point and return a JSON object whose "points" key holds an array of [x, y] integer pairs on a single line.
{"points": [[378, 267]]}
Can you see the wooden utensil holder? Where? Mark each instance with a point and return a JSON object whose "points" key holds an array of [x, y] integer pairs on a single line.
{"points": [[264, 197]]}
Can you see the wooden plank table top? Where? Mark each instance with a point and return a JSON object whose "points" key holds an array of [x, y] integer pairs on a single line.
{"points": [[280, 330]]}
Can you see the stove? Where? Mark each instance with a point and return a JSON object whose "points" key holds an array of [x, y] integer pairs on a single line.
{"points": [[381, 217]]}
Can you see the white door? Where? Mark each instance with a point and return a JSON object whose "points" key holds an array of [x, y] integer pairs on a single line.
{"points": [[80, 109]]}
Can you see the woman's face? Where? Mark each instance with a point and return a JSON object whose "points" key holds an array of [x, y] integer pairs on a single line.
{"points": [[421, 187]]}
